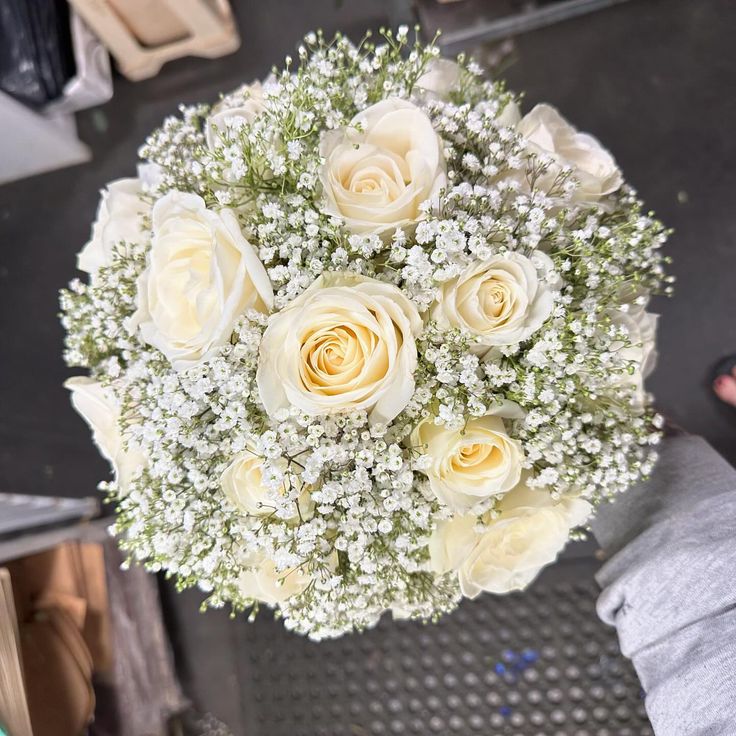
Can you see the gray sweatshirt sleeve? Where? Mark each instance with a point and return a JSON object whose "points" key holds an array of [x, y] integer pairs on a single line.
{"points": [[669, 587]]}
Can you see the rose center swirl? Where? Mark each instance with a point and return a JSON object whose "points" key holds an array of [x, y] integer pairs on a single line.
{"points": [[496, 299], [377, 176], [479, 457], [339, 357]]}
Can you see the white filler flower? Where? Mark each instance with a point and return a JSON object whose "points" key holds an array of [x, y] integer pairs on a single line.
{"points": [[346, 344], [382, 167], [202, 275]]}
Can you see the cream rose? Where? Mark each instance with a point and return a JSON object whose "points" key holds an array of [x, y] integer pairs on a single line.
{"points": [[510, 115], [451, 543], [508, 552], [547, 132], [382, 167], [502, 300], [441, 78], [239, 108], [119, 219], [202, 275], [474, 463], [641, 351], [347, 343], [98, 407], [242, 482], [264, 583]]}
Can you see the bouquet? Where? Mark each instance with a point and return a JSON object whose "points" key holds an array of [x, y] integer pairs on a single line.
{"points": [[365, 337]]}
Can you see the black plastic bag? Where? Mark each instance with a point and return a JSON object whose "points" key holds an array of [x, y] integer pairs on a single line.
{"points": [[36, 56]]}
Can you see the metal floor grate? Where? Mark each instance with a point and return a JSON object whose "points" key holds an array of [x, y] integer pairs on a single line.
{"points": [[533, 664]]}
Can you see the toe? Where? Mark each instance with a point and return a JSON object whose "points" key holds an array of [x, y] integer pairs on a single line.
{"points": [[725, 389]]}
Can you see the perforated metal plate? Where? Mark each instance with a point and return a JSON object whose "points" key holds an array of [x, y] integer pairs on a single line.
{"points": [[538, 664]]}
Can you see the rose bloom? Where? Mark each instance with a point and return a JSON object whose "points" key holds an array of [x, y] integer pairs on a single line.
{"points": [[345, 344], [382, 167], [264, 583], [242, 482], [641, 351], [246, 104], [98, 407], [502, 300], [510, 550], [118, 220], [202, 275], [548, 133], [441, 78], [476, 462]]}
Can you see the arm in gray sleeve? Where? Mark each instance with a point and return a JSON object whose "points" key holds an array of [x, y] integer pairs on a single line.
{"points": [[669, 587]]}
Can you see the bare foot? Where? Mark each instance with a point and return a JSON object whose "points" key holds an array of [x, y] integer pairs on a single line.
{"points": [[725, 387]]}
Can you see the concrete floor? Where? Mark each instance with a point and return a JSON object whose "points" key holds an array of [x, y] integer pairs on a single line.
{"points": [[654, 79]]}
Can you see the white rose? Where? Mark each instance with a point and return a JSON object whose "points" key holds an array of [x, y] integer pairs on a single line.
{"points": [[440, 79], [347, 343], [471, 464], [502, 300], [641, 351], [242, 482], [239, 108], [98, 407], [510, 115], [118, 219], [451, 543], [508, 552], [382, 167], [202, 274], [547, 132], [151, 176], [264, 583]]}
